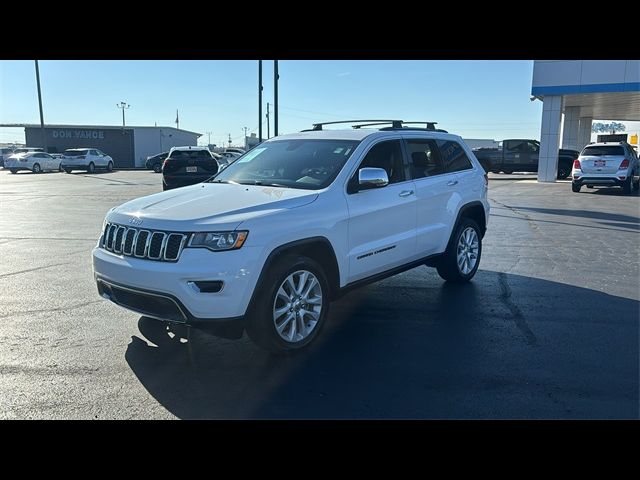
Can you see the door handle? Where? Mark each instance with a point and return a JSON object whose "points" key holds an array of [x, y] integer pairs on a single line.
{"points": [[406, 193], [451, 183]]}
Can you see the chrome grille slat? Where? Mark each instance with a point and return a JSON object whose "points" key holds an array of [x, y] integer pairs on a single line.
{"points": [[140, 243]]}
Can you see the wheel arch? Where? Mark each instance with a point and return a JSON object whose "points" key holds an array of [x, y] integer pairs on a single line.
{"points": [[317, 248]]}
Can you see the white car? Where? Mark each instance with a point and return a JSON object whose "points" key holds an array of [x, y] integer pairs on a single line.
{"points": [[606, 164], [36, 162], [229, 157], [267, 243], [88, 159]]}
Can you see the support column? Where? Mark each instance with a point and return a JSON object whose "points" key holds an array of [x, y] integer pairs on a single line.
{"points": [[584, 132], [571, 128], [550, 138]]}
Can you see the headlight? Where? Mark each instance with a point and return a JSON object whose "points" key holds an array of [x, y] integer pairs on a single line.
{"points": [[218, 241]]}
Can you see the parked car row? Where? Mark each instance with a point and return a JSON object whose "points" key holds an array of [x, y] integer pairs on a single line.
{"points": [[36, 160]]}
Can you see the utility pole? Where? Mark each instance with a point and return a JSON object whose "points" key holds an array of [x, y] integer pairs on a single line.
{"points": [[209, 133], [245, 136], [260, 101], [267, 120], [123, 106], [229, 139], [44, 140], [275, 97]]}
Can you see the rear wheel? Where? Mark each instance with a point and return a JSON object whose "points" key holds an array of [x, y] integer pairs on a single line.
{"points": [[157, 167], [110, 167], [626, 186], [507, 172], [13, 170], [292, 306], [564, 170], [575, 188], [91, 168], [460, 261], [36, 168], [68, 170], [636, 184]]}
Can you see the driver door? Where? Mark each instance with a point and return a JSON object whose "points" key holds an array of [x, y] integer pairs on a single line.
{"points": [[382, 221]]}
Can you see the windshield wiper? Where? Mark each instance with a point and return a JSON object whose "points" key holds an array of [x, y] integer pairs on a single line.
{"points": [[265, 184]]}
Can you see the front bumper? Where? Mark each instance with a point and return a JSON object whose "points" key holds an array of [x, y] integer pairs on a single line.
{"points": [[237, 269]]}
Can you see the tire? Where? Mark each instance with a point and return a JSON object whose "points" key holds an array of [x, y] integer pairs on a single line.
{"points": [[626, 186], [13, 170], [91, 168], [575, 188], [110, 167], [507, 172], [636, 184], [269, 314], [157, 167], [448, 265], [564, 170], [68, 170], [36, 168]]}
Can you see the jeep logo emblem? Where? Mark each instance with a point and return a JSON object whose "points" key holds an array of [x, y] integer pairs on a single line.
{"points": [[135, 221]]}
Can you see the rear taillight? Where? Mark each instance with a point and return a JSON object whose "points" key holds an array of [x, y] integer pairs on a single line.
{"points": [[576, 165], [624, 164], [164, 164]]}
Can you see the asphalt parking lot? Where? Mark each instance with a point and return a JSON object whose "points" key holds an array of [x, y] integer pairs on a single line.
{"points": [[549, 327]]}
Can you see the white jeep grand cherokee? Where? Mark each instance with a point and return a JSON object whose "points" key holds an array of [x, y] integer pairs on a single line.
{"points": [[268, 242]]}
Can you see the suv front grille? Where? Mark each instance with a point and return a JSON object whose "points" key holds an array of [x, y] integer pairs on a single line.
{"points": [[140, 243]]}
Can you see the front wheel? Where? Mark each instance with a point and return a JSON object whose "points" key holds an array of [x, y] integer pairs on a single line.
{"points": [[507, 172], [110, 167], [36, 168], [461, 259], [291, 309], [91, 168], [13, 170]]}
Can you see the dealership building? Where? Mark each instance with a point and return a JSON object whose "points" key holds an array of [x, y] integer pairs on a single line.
{"points": [[128, 146], [574, 93]]}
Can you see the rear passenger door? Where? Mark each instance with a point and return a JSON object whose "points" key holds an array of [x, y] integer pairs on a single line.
{"points": [[434, 189]]}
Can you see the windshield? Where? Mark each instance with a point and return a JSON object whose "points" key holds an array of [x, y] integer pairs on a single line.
{"points": [[75, 153], [307, 164]]}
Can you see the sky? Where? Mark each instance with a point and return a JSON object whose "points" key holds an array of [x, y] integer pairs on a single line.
{"points": [[474, 99]]}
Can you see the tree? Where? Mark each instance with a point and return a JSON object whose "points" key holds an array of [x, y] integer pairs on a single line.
{"points": [[612, 127]]}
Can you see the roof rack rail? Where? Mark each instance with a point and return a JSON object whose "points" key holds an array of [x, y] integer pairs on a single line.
{"points": [[395, 123]]}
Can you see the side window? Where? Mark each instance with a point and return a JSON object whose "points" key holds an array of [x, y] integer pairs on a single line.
{"points": [[93, 152], [516, 146], [532, 147], [453, 156], [424, 158], [387, 155]]}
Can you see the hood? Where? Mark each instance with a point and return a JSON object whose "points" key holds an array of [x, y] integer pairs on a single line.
{"points": [[198, 207]]}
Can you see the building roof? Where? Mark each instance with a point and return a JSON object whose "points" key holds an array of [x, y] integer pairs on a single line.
{"points": [[102, 127]]}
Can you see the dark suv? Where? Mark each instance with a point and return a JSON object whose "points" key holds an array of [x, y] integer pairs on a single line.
{"points": [[188, 165], [155, 162]]}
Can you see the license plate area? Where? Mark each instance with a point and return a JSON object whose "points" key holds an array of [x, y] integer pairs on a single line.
{"points": [[192, 169], [599, 163]]}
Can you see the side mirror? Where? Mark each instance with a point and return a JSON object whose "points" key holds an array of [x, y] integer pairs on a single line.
{"points": [[369, 177]]}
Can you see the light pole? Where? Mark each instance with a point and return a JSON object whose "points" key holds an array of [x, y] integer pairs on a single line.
{"points": [[259, 101], [44, 141], [276, 77], [123, 106], [209, 133], [245, 136]]}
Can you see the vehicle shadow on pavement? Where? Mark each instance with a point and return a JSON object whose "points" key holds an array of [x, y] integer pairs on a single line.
{"points": [[504, 346]]}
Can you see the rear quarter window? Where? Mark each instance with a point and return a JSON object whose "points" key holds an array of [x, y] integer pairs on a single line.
{"points": [[454, 158]]}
